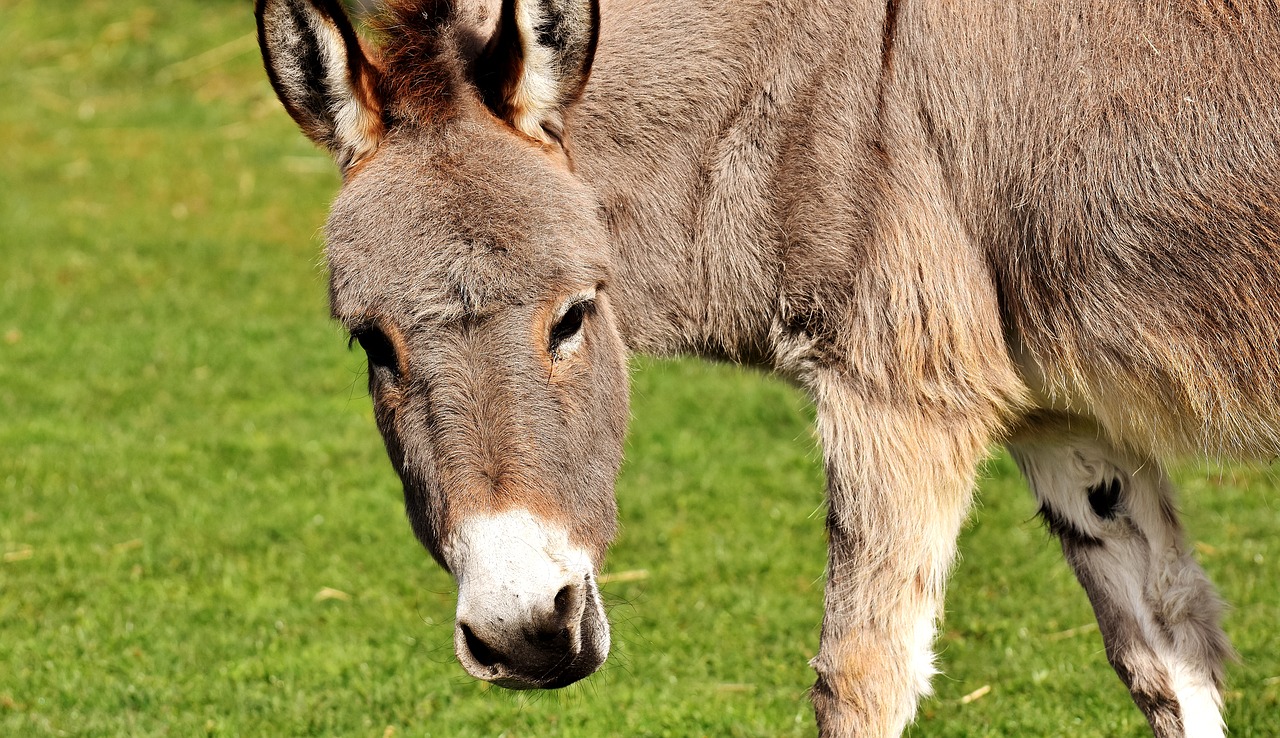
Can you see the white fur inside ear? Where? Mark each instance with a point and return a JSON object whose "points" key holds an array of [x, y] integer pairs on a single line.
{"points": [[536, 99], [355, 124], [325, 100]]}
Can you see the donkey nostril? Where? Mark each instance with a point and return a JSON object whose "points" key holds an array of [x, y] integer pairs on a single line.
{"points": [[547, 637], [562, 601], [480, 651], [554, 626]]}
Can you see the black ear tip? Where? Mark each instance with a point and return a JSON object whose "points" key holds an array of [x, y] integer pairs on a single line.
{"points": [[594, 42]]}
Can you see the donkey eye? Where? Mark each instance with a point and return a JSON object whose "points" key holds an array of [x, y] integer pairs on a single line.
{"points": [[565, 333], [380, 350]]}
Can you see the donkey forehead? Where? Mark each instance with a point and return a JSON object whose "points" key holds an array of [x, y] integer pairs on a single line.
{"points": [[460, 227]]}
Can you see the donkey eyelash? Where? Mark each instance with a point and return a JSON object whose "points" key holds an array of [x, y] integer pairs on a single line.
{"points": [[581, 308], [357, 327], [588, 296], [588, 304], [353, 338]]}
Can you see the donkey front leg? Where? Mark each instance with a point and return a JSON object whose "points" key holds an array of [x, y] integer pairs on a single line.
{"points": [[899, 484], [1156, 609]]}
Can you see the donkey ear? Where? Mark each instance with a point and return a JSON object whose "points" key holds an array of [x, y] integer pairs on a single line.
{"points": [[538, 62], [321, 74]]}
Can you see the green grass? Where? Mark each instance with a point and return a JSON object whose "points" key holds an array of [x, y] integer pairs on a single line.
{"points": [[187, 458]]}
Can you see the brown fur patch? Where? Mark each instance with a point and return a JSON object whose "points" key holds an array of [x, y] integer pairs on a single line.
{"points": [[425, 57]]}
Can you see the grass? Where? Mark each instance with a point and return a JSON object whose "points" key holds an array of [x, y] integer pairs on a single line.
{"points": [[189, 468]]}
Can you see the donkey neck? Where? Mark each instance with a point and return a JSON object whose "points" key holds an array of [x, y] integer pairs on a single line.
{"points": [[681, 132]]}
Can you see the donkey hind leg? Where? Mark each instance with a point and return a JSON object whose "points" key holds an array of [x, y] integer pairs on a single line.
{"points": [[1157, 611]]}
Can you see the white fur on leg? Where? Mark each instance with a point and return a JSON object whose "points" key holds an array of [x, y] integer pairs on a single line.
{"points": [[1178, 588], [923, 665], [1198, 699], [1139, 561]]}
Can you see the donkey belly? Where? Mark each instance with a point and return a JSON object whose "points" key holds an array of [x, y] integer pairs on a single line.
{"points": [[1173, 346]]}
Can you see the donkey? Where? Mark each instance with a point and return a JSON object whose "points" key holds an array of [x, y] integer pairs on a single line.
{"points": [[1049, 225]]}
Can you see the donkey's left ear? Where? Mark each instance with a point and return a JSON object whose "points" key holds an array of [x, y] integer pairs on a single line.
{"points": [[538, 62], [321, 74]]}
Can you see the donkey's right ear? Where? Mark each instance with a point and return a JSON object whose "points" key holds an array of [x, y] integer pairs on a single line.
{"points": [[321, 74]]}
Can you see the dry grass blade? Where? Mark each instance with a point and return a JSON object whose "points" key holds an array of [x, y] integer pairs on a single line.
{"points": [[1071, 632], [207, 60], [976, 694]]}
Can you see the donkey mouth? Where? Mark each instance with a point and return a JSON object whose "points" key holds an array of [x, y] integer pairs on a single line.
{"points": [[579, 667]]}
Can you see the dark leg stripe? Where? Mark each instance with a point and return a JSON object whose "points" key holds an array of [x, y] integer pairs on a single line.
{"points": [[1064, 529]]}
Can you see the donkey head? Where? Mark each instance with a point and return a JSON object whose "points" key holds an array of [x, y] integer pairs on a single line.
{"points": [[472, 267]]}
